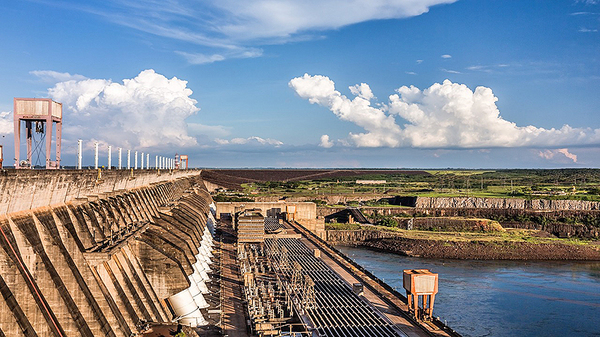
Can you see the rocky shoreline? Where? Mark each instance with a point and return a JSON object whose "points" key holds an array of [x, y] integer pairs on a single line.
{"points": [[468, 250]]}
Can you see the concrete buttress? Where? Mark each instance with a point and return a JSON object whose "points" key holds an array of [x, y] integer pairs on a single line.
{"points": [[81, 256]]}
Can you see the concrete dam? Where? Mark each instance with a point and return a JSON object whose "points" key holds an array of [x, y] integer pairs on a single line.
{"points": [[148, 253], [98, 254]]}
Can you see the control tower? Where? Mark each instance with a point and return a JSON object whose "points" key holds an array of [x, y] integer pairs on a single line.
{"points": [[39, 116]]}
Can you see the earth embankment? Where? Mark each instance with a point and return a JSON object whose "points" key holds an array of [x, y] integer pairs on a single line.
{"points": [[464, 247]]}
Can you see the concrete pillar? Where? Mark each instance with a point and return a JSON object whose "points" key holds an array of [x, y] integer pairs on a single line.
{"points": [[96, 155], [120, 151], [128, 159], [109, 156], [79, 153]]}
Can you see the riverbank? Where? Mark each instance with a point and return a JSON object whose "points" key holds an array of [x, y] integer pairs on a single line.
{"points": [[511, 245]]}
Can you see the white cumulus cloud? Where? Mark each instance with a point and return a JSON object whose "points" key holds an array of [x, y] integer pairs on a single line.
{"points": [[445, 115], [325, 142], [381, 128], [6, 123], [147, 111]]}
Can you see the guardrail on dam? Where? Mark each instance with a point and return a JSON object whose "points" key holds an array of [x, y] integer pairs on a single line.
{"points": [[92, 254]]}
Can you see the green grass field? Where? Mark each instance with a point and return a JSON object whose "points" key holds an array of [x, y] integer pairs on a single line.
{"points": [[577, 184]]}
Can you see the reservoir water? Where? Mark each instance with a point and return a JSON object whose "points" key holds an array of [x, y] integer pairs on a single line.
{"points": [[502, 298]]}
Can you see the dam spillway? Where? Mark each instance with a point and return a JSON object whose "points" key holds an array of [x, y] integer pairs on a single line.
{"points": [[98, 254]]}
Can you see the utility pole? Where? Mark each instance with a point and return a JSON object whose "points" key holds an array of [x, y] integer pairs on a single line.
{"points": [[96, 155], [79, 153]]}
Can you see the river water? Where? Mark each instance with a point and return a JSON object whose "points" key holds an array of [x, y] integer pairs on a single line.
{"points": [[502, 298]]}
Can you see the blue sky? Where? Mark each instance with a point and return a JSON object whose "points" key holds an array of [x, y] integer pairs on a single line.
{"points": [[421, 84]]}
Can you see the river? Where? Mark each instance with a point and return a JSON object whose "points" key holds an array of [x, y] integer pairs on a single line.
{"points": [[502, 298]]}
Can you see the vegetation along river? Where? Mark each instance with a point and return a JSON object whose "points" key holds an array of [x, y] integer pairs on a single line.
{"points": [[502, 298]]}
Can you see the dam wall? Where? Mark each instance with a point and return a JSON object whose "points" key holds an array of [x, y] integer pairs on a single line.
{"points": [[29, 189], [83, 255], [305, 212]]}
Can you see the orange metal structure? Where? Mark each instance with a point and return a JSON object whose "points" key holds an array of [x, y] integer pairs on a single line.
{"points": [[182, 158], [41, 113], [421, 285]]}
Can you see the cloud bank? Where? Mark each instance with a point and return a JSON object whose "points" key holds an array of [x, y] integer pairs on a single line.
{"points": [[6, 123], [147, 111], [445, 115], [250, 141]]}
